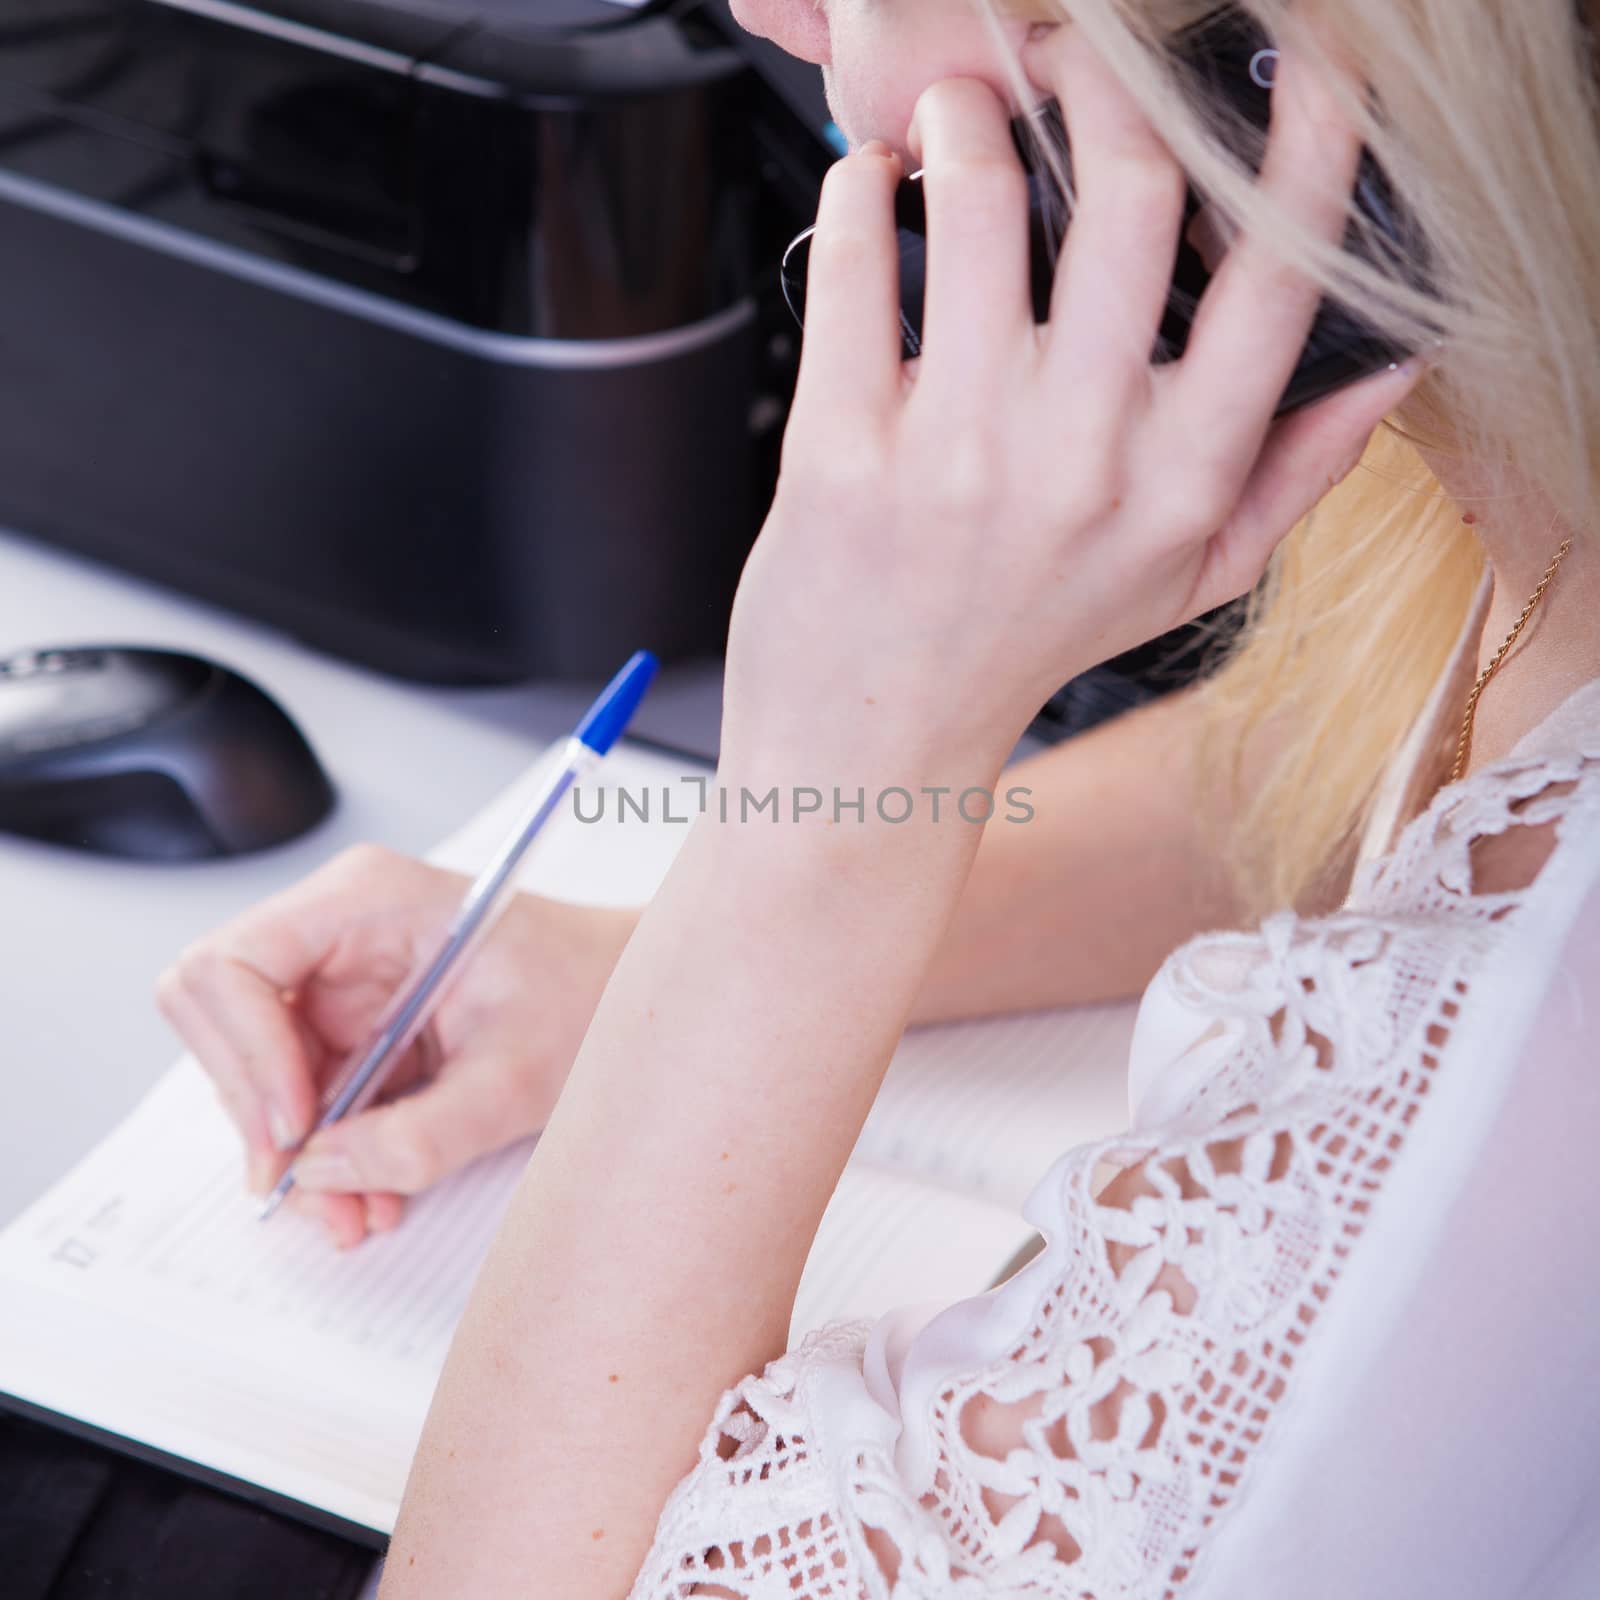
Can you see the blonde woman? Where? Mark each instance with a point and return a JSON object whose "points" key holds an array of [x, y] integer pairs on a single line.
{"points": [[1326, 1332]]}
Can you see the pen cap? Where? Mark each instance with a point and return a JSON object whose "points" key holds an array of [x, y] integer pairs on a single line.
{"points": [[611, 713]]}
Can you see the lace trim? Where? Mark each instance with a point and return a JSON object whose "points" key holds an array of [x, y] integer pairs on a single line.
{"points": [[1095, 1460], [1431, 869]]}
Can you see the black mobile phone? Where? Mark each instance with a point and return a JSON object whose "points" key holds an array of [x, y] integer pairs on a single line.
{"points": [[1231, 53]]}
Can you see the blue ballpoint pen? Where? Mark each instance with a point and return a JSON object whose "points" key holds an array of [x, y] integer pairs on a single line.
{"points": [[367, 1068]]}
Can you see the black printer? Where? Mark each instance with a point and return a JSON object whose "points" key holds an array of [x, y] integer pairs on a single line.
{"points": [[443, 333]]}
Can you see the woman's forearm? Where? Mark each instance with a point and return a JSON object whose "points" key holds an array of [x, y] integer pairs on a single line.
{"points": [[651, 1257], [1084, 899]]}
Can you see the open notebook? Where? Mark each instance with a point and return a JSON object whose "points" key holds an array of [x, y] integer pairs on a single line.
{"points": [[141, 1297]]}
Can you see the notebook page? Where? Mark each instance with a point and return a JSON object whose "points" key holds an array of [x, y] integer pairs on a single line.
{"points": [[257, 1349], [296, 1435], [986, 1107], [158, 1224], [887, 1240], [265, 1353]]}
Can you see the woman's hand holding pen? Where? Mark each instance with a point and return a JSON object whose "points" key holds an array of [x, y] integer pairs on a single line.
{"points": [[270, 1004], [949, 544]]}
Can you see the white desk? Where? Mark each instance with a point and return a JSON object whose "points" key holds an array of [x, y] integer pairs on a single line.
{"points": [[84, 937]]}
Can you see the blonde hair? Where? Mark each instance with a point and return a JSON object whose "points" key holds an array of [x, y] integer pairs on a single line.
{"points": [[1483, 115]]}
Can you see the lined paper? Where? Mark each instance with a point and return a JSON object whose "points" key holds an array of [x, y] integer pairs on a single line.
{"points": [[157, 1223], [887, 1240], [986, 1107], [142, 1295]]}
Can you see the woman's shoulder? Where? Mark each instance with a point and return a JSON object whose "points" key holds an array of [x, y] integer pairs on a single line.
{"points": [[1481, 845], [1485, 872]]}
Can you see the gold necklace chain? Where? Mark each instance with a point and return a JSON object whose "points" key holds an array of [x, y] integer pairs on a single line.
{"points": [[1464, 744]]}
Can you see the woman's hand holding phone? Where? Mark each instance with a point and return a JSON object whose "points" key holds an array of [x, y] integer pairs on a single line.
{"points": [[951, 541]]}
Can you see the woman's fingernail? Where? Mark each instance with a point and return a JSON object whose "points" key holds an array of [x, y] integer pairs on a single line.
{"points": [[262, 1171], [1424, 360], [875, 147], [281, 1129], [326, 1169]]}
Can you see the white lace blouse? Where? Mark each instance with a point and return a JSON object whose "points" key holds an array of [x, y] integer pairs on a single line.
{"points": [[1342, 1340]]}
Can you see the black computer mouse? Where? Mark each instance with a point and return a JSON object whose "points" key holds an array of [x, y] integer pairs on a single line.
{"points": [[150, 753]]}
